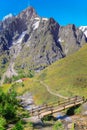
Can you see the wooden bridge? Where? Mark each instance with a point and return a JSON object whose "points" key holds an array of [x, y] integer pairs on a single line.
{"points": [[47, 109]]}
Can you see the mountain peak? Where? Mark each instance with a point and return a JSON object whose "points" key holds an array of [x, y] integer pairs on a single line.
{"points": [[29, 10], [71, 26], [28, 13], [37, 41]]}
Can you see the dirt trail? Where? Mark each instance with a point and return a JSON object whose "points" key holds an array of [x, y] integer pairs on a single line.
{"points": [[51, 92]]}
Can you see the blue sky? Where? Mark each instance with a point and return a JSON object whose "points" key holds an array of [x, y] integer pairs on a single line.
{"points": [[64, 11]]}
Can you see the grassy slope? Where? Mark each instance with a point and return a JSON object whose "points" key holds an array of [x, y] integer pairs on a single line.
{"points": [[69, 75], [6, 87], [38, 91]]}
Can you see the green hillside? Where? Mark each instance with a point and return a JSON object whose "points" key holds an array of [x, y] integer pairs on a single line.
{"points": [[68, 76]]}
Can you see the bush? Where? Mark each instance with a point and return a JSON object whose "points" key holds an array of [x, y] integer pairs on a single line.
{"points": [[7, 80], [2, 96], [72, 126], [73, 110], [78, 110], [9, 111], [2, 123], [31, 74], [48, 118], [8, 105], [58, 126], [2, 128], [18, 126]]}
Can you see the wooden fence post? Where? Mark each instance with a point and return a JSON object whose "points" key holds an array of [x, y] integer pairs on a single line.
{"points": [[46, 106], [64, 106], [58, 102], [52, 109], [69, 100], [83, 98], [76, 97], [38, 112], [32, 111]]}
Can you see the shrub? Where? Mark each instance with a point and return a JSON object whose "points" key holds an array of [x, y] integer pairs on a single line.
{"points": [[7, 80], [9, 111], [58, 126], [72, 127], [2, 128], [2, 123], [73, 110], [18, 126], [31, 74], [48, 118], [8, 104]]}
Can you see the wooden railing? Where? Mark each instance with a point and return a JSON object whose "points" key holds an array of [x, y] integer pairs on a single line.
{"points": [[47, 109]]}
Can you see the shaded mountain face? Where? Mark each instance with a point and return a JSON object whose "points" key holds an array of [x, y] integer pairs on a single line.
{"points": [[34, 42], [71, 38]]}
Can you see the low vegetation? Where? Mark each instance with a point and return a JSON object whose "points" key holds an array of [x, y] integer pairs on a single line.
{"points": [[10, 111], [29, 74], [68, 76], [39, 92], [74, 110], [58, 126], [4, 61]]}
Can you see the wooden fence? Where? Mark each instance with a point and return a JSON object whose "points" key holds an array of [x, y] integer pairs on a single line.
{"points": [[51, 108]]}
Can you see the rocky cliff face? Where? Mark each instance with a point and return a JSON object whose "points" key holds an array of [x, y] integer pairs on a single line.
{"points": [[84, 30], [34, 42], [71, 38]]}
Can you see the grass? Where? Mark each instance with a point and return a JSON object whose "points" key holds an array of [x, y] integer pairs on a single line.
{"points": [[58, 126], [67, 77], [38, 91], [6, 87]]}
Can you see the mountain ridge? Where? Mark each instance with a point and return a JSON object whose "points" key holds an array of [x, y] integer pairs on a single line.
{"points": [[33, 43]]}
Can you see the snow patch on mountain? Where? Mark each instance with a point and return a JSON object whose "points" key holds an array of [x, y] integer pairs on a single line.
{"points": [[7, 16], [45, 19], [20, 39], [37, 18], [60, 40], [84, 29], [36, 25]]}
